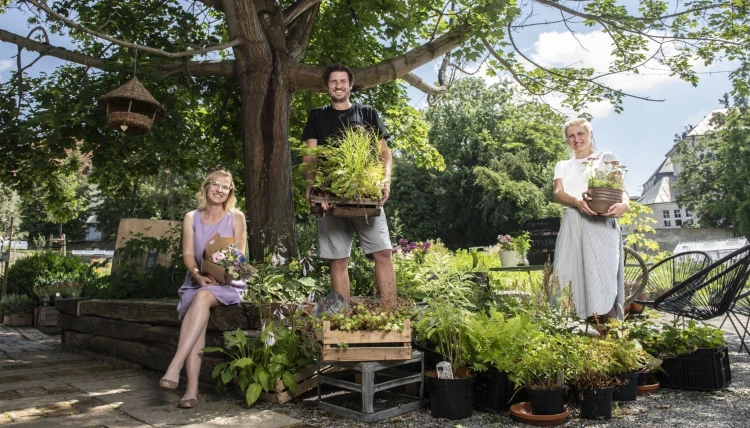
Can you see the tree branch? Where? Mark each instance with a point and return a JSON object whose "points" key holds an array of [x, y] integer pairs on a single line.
{"points": [[572, 78], [80, 27], [223, 68], [558, 6], [299, 33], [309, 77], [423, 86], [298, 8], [508, 66]]}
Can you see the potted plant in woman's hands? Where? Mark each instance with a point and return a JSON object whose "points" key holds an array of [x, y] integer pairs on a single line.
{"points": [[445, 326], [542, 371], [605, 186]]}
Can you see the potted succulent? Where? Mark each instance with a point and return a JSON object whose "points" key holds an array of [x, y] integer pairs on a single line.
{"points": [[542, 371], [446, 326], [18, 310], [605, 186]]}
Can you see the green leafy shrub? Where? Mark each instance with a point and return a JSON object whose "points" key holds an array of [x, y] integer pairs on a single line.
{"points": [[546, 361], [17, 304], [498, 341], [670, 340], [132, 282], [258, 363], [47, 268]]}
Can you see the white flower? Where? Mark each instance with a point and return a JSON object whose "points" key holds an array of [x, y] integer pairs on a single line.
{"points": [[270, 340]]}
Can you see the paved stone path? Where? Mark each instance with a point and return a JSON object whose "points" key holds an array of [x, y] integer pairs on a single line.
{"points": [[44, 386]]}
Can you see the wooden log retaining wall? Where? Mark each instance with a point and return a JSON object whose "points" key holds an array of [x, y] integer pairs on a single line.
{"points": [[146, 332]]}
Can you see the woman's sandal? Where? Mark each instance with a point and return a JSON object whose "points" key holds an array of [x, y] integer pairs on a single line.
{"points": [[187, 404], [167, 384]]}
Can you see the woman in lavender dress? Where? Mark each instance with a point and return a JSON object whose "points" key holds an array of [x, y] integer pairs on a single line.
{"points": [[199, 293]]}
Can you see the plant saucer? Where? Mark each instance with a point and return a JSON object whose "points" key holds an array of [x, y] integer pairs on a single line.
{"points": [[522, 413], [648, 389]]}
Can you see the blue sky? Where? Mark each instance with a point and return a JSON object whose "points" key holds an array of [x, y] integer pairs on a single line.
{"points": [[639, 136]]}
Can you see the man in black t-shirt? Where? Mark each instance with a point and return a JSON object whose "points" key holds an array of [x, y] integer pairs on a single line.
{"points": [[335, 233]]}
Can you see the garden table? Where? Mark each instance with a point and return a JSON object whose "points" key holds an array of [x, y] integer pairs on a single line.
{"points": [[528, 269]]}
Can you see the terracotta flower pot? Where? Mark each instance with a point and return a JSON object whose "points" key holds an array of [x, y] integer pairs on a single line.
{"points": [[602, 198]]}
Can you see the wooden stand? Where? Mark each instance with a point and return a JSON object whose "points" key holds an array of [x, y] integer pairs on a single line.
{"points": [[365, 345], [369, 387], [45, 319], [363, 207]]}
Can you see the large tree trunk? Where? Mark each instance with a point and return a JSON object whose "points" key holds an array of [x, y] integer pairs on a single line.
{"points": [[265, 87]]}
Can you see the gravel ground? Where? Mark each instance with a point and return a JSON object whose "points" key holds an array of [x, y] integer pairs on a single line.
{"points": [[667, 408]]}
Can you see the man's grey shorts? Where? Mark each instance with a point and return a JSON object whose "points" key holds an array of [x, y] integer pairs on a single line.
{"points": [[335, 235]]}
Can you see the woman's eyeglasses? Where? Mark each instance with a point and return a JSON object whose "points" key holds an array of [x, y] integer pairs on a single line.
{"points": [[214, 185]]}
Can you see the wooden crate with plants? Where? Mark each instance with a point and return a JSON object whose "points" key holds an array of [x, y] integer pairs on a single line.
{"points": [[349, 175], [366, 331], [18, 310]]}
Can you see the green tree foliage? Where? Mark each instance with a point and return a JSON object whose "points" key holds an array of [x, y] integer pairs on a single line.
{"points": [[499, 150], [641, 221], [716, 172]]}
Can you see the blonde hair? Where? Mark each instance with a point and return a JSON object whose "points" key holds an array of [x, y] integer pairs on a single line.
{"points": [[202, 197], [583, 123]]}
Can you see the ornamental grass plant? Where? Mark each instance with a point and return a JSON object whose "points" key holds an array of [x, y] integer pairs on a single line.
{"points": [[350, 166]]}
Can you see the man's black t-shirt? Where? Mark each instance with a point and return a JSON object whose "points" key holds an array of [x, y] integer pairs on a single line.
{"points": [[326, 122]]}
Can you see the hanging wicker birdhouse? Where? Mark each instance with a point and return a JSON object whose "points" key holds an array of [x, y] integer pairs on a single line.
{"points": [[131, 108]]}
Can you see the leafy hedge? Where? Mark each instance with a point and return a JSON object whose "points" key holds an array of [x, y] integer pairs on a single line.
{"points": [[44, 269]]}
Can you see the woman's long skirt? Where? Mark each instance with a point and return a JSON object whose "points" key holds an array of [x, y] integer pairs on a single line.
{"points": [[589, 256]]}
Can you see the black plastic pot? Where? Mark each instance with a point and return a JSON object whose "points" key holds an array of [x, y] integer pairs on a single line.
{"points": [[597, 403], [546, 401], [644, 378], [451, 398], [628, 390]]}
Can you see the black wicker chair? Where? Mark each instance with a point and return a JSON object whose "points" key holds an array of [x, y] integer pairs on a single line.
{"points": [[666, 274], [636, 276], [741, 307], [710, 292]]}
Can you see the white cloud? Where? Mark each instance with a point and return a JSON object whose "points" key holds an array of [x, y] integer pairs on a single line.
{"points": [[5, 64], [594, 50]]}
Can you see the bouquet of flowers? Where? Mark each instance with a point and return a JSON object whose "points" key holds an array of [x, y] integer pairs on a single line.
{"points": [[234, 263]]}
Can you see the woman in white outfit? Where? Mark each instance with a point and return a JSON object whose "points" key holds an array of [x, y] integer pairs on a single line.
{"points": [[588, 253]]}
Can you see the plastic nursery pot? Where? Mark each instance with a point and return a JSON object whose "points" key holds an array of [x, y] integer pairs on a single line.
{"points": [[645, 378], [546, 401], [597, 403], [451, 398], [628, 390]]}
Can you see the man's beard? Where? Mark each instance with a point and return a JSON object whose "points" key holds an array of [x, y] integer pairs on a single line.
{"points": [[339, 98]]}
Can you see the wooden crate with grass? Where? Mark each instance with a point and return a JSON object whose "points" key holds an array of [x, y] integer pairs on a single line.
{"points": [[343, 207], [360, 345]]}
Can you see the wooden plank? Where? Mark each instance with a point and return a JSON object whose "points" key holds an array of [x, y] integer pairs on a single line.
{"points": [[161, 312], [68, 305], [334, 337], [318, 199], [360, 336], [346, 211], [366, 354], [135, 352], [299, 376]]}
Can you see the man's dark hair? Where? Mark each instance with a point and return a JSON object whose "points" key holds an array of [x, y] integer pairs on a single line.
{"points": [[337, 67]]}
